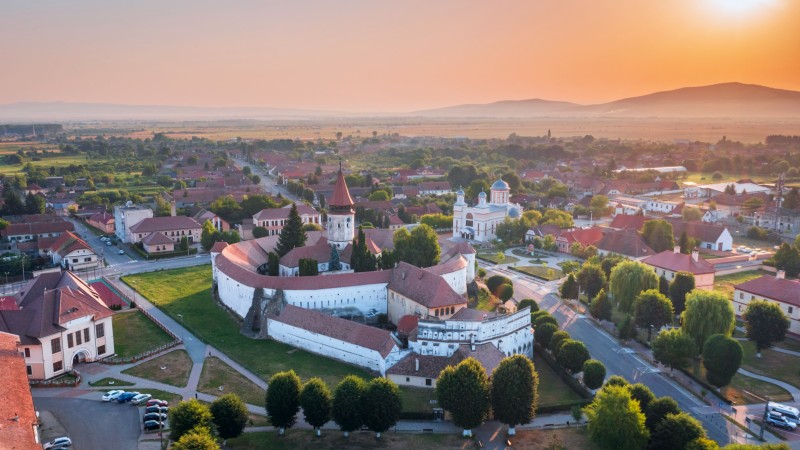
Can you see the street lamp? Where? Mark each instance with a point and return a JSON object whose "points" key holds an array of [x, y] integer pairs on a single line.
{"points": [[649, 333]]}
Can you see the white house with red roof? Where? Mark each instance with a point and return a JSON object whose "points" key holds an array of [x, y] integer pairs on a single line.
{"points": [[73, 253], [174, 228], [274, 219], [103, 221], [60, 321], [670, 262], [776, 289]]}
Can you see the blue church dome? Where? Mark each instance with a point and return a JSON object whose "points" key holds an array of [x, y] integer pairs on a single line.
{"points": [[513, 213], [500, 185], [482, 195]]}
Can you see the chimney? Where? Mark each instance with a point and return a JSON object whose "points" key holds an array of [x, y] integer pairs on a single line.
{"points": [[677, 249], [172, 208], [781, 274], [416, 364], [695, 256]]}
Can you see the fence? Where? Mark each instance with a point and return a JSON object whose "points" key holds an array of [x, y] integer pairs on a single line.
{"points": [[58, 383]]}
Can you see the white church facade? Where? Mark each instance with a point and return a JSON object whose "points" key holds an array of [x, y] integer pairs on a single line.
{"points": [[479, 222]]}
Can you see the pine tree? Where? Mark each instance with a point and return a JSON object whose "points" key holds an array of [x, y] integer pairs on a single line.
{"points": [[292, 234], [335, 264]]}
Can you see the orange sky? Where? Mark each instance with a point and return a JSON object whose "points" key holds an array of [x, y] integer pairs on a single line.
{"points": [[388, 56]]}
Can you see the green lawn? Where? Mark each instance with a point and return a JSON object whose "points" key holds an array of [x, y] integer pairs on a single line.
{"points": [[216, 373], [135, 334], [726, 283], [176, 368], [492, 257], [553, 390], [547, 273], [741, 388], [110, 382], [772, 364], [417, 399], [484, 301], [333, 440], [187, 292]]}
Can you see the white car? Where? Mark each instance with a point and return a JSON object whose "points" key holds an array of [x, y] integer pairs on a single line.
{"points": [[141, 398], [120, 252], [62, 441], [112, 395]]}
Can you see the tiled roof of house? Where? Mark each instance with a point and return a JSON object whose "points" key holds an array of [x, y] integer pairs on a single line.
{"points": [[429, 366], [679, 262], [47, 302], [626, 243], [588, 236], [102, 217], [168, 223], [16, 404], [156, 238], [68, 243], [424, 287], [283, 213], [219, 246], [19, 229], [780, 289], [705, 232], [321, 252], [628, 222], [407, 324], [336, 328], [487, 354]]}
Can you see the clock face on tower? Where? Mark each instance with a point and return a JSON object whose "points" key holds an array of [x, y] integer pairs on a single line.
{"points": [[348, 220]]}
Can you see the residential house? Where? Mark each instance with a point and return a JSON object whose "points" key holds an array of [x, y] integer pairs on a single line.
{"points": [[157, 243], [707, 235], [584, 237], [274, 219], [61, 321], [201, 215], [73, 253], [30, 231], [103, 221], [434, 188], [669, 262], [20, 426], [626, 243], [126, 217], [173, 227], [775, 289]]}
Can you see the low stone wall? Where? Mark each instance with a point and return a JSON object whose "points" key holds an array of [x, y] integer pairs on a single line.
{"points": [[55, 383]]}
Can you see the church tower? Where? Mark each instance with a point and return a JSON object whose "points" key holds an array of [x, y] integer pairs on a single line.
{"points": [[341, 217]]}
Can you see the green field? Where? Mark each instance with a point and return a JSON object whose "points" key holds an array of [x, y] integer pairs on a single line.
{"points": [[741, 388], [546, 273], [216, 373], [176, 368], [135, 334], [188, 292], [553, 391], [772, 364], [492, 257]]}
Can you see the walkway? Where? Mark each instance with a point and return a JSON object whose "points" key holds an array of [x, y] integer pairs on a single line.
{"points": [[795, 392]]}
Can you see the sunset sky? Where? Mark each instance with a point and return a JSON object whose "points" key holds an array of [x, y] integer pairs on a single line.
{"points": [[387, 56]]}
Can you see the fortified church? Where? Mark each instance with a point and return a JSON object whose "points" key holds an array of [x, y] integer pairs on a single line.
{"points": [[427, 305]]}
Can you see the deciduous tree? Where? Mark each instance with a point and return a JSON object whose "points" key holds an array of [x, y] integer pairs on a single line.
{"points": [[591, 279], [464, 391], [515, 391], [722, 356], [658, 235], [594, 373], [316, 400], [673, 348], [601, 307], [765, 324], [679, 288], [528, 302], [627, 280], [641, 394], [658, 409], [283, 400], [381, 405], [187, 415], [347, 406], [676, 431], [198, 438], [556, 339], [569, 288], [616, 421], [544, 333], [707, 313], [572, 354], [652, 310], [229, 414]]}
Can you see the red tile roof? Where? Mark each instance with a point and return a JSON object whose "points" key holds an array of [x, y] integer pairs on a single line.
{"points": [[283, 213], [426, 288], [17, 412], [626, 243], [68, 243], [168, 223], [407, 324], [768, 286], [156, 238], [584, 237], [19, 229], [336, 328], [108, 296], [321, 252], [679, 262], [429, 366], [341, 195], [102, 217], [219, 246], [705, 232], [628, 222]]}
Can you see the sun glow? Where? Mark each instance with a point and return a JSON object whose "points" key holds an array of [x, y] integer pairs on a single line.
{"points": [[741, 7]]}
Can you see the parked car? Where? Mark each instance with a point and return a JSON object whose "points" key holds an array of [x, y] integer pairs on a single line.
{"points": [[156, 409], [141, 398], [120, 252], [155, 416], [112, 395], [151, 425], [62, 441], [776, 419], [157, 402], [108, 242], [126, 397]]}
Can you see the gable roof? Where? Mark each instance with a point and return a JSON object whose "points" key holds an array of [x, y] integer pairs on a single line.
{"points": [[167, 223], [628, 222], [679, 262], [771, 287], [16, 404], [156, 238], [705, 232], [102, 217], [588, 236], [283, 212], [424, 287], [336, 328], [68, 243], [19, 229], [626, 243], [320, 252]]}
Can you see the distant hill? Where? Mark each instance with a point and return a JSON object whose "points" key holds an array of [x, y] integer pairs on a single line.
{"points": [[718, 100]]}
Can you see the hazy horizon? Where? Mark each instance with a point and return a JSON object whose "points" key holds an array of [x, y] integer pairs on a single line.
{"points": [[363, 57]]}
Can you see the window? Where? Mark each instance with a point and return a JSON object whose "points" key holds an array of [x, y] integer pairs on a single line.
{"points": [[74, 260], [741, 295], [55, 345], [30, 371], [57, 366], [428, 381], [86, 335], [789, 310], [27, 352], [78, 337], [100, 330], [101, 350], [87, 259], [70, 344], [407, 378]]}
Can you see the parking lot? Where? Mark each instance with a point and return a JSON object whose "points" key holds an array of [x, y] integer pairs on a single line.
{"points": [[93, 424]]}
